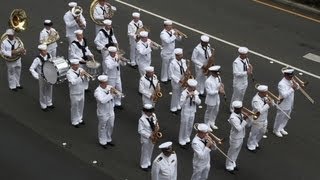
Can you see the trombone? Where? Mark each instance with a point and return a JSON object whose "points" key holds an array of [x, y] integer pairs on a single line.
{"points": [[246, 112], [155, 45], [302, 85], [116, 92], [179, 33]]}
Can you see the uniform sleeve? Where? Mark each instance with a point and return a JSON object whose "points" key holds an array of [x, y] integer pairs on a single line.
{"points": [[172, 73], [260, 107], [33, 67], [70, 22], [199, 151], [143, 50], [98, 42], [114, 39], [155, 170], [131, 30], [237, 125], [42, 37], [175, 175], [283, 91], [183, 98], [96, 14], [210, 88], [166, 38], [83, 20], [141, 129], [197, 99], [102, 98], [4, 51], [238, 69], [73, 51], [142, 89], [194, 58], [110, 64], [73, 79]]}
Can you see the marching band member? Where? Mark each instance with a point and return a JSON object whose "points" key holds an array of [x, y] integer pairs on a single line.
{"points": [[133, 26], [214, 87], [75, 76], [238, 124], [105, 38], [73, 23], [79, 50], [105, 111], [147, 124], [241, 69], [260, 103], [47, 32], [36, 69], [200, 57], [112, 64], [147, 86], [177, 70], [189, 100], [286, 88], [202, 147], [101, 12], [9, 48], [144, 50], [168, 40], [164, 167]]}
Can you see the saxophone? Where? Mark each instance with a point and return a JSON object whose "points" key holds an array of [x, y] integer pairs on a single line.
{"points": [[156, 134], [157, 93], [187, 75]]}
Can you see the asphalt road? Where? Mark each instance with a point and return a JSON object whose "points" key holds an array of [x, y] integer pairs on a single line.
{"points": [[270, 32]]}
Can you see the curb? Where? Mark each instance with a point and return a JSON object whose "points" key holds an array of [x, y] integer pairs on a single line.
{"points": [[299, 6]]}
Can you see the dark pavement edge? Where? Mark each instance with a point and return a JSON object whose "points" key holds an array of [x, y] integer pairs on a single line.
{"points": [[298, 6]]}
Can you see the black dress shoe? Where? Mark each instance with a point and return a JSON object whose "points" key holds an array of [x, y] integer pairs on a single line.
{"points": [[164, 82], [119, 107], [20, 87], [51, 107], [45, 109], [145, 169], [202, 95], [188, 143], [236, 168], [174, 112], [82, 123], [183, 146], [149, 167], [230, 171], [252, 151], [14, 89], [87, 91], [110, 144], [76, 126], [104, 146]]}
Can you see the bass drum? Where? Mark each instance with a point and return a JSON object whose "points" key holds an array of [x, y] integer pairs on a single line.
{"points": [[55, 71]]}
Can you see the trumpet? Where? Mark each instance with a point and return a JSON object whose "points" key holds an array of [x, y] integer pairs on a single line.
{"points": [[248, 113], [155, 45], [86, 74], [156, 134], [116, 92], [157, 93], [179, 33]]}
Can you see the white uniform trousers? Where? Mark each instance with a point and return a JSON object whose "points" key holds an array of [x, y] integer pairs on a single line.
{"points": [[14, 72], [146, 153], [45, 93], [258, 129], [133, 53], [281, 120], [116, 83], [175, 98], [186, 126], [210, 115], [77, 105], [233, 152], [238, 94], [201, 79], [200, 173], [166, 59], [105, 128]]}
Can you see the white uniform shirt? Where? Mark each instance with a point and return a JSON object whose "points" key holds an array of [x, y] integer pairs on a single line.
{"points": [[189, 105], [164, 168], [36, 66], [177, 69], [240, 76], [287, 92], [212, 85], [99, 12], [76, 52], [145, 86], [168, 41], [104, 101], [238, 128], [132, 29], [44, 35], [259, 105], [144, 127], [201, 153], [71, 24], [76, 85], [200, 56], [101, 40], [144, 51], [113, 66]]}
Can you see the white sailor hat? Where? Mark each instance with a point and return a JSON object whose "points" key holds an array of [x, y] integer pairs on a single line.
{"points": [[214, 68], [107, 22], [262, 88], [178, 51], [288, 71], [136, 14], [203, 127], [79, 31], [112, 49], [42, 47], [72, 4], [47, 22], [192, 82], [167, 22], [103, 78], [165, 145], [9, 32], [243, 50], [144, 34], [74, 61], [149, 69], [148, 106], [237, 104], [204, 38]]}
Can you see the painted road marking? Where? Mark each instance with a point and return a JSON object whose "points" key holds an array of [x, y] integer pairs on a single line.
{"points": [[312, 57], [218, 39], [288, 11]]}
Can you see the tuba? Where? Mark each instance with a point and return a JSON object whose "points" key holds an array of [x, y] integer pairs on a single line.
{"points": [[109, 15]]}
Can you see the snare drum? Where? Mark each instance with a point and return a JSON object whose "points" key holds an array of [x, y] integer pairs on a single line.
{"points": [[55, 71], [93, 68]]}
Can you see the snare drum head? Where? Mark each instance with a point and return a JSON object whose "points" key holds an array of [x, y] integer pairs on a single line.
{"points": [[50, 73]]}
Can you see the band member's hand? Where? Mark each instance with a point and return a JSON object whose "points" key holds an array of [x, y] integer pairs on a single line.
{"points": [[82, 73], [295, 86]]}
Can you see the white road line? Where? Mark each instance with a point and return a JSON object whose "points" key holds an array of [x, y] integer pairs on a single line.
{"points": [[312, 57], [218, 39]]}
